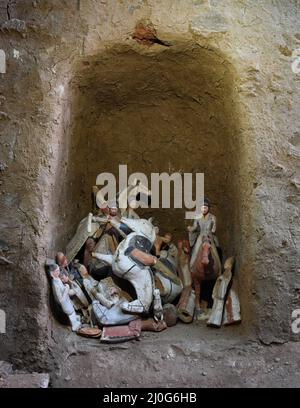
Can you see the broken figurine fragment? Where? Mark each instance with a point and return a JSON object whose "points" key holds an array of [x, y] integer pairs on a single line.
{"points": [[219, 294]]}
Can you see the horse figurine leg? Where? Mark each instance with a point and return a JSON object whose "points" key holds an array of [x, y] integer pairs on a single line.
{"points": [[197, 286]]}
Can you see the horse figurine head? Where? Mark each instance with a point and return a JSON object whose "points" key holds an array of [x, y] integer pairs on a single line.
{"points": [[141, 226], [206, 245], [183, 247]]}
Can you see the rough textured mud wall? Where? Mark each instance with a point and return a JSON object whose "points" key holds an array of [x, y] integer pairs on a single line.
{"points": [[250, 42], [31, 137]]}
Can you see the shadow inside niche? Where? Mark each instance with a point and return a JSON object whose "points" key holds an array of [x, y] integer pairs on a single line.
{"points": [[174, 111]]}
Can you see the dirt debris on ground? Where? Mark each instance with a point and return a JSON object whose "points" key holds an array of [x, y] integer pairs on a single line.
{"points": [[182, 356]]}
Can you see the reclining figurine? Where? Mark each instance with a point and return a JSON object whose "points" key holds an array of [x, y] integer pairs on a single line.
{"points": [[111, 316]]}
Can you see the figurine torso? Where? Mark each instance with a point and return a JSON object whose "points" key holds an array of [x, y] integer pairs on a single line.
{"points": [[207, 224]]}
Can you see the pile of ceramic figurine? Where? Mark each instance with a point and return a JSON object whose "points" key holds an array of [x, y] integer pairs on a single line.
{"points": [[119, 276]]}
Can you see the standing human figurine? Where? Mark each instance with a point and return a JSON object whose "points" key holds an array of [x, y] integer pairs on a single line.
{"points": [[61, 294]]}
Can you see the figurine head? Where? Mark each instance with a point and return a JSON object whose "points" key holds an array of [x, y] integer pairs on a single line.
{"points": [[113, 291], [113, 208], [168, 237], [61, 259], [64, 277], [206, 206], [90, 244], [54, 270], [204, 209], [113, 211], [83, 271]]}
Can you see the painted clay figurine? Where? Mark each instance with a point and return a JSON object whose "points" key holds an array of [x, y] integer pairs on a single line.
{"points": [[62, 297], [205, 263]]}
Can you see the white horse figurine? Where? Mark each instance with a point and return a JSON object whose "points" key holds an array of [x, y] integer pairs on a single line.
{"points": [[132, 261]]}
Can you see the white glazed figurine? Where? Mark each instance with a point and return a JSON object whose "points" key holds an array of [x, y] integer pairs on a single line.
{"points": [[61, 295]]}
